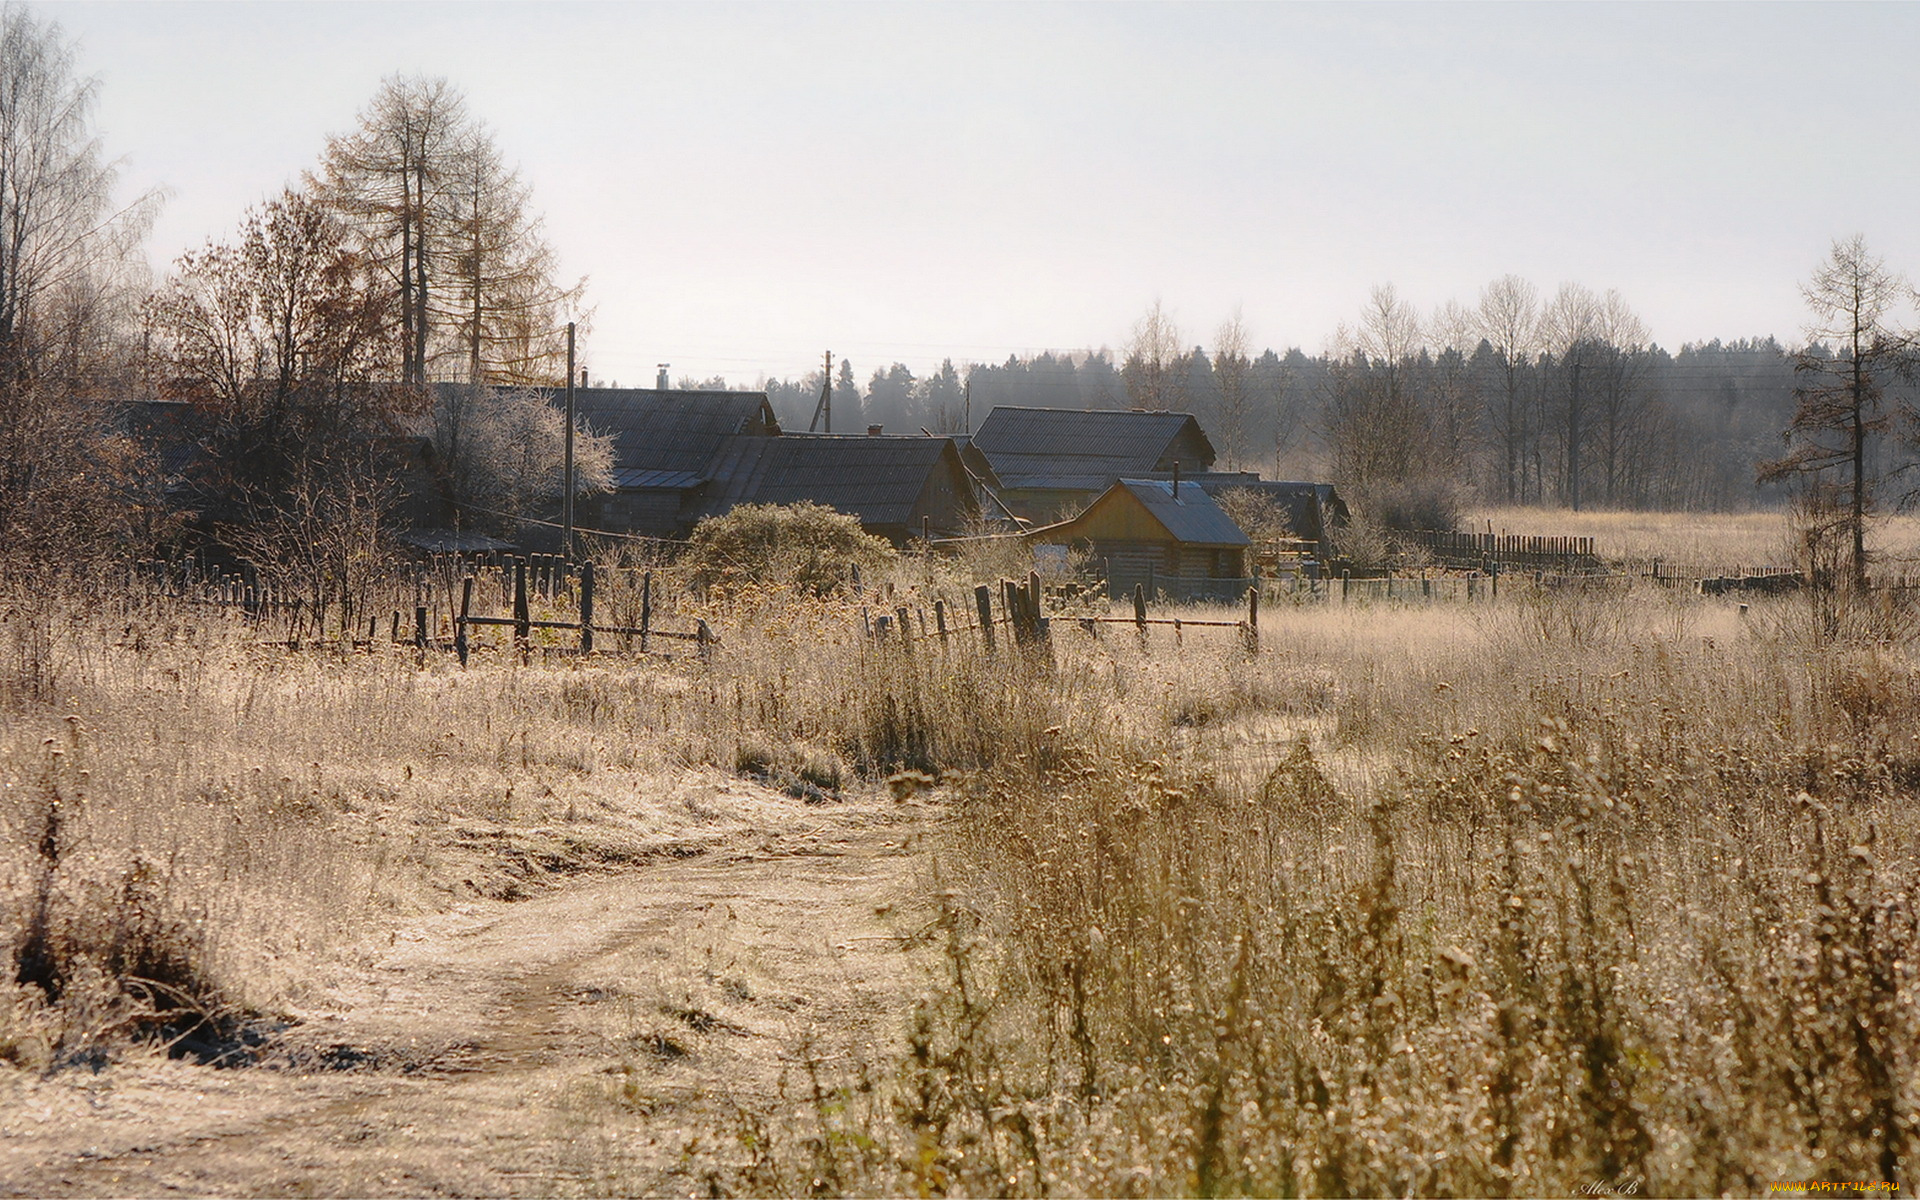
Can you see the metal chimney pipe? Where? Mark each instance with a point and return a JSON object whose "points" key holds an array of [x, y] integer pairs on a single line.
{"points": [[1176, 479]]}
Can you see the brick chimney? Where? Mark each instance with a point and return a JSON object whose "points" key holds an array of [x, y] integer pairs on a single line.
{"points": [[873, 430]]}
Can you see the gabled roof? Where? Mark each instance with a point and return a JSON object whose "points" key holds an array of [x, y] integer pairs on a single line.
{"points": [[671, 430], [1085, 449], [1307, 504], [878, 479], [1191, 516]]}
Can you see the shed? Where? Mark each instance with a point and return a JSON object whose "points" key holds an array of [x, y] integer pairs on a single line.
{"points": [[1053, 462], [890, 483], [1314, 510], [1168, 535]]}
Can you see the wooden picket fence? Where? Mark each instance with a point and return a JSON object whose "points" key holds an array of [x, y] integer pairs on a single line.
{"points": [[418, 606], [1466, 550]]}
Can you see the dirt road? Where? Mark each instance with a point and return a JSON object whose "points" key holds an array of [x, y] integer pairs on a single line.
{"points": [[603, 1037]]}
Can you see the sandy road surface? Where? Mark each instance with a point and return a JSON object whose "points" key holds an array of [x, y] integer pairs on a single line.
{"points": [[601, 1038]]}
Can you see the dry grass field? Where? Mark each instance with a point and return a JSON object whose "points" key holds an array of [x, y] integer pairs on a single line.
{"points": [[1706, 543], [1575, 888]]}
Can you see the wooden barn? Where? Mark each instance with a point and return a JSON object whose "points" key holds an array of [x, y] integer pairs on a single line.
{"points": [[1053, 462], [1166, 534], [897, 486]]}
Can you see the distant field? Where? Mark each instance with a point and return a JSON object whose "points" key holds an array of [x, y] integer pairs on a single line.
{"points": [[1720, 541]]}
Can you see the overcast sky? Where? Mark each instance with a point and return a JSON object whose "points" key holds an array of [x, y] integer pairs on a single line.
{"points": [[748, 186]]}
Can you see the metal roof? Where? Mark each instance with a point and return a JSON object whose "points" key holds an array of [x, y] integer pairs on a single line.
{"points": [[447, 541], [1054, 443], [1058, 483], [1310, 507], [1192, 516], [671, 430], [629, 479], [878, 479]]}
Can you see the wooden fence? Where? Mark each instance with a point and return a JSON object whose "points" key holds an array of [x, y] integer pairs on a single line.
{"points": [[522, 623], [441, 605], [1464, 550], [1022, 612]]}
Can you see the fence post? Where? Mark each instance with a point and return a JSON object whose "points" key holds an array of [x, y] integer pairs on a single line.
{"points": [[940, 619], [521, 631], [1253, 618], [703, 635], [1036, 610], [460, 628], [419, 627], [1140, 610], [906, 629], [1010, 598], [646, 608], [1346, 577], [983, 601], [586, 607]]}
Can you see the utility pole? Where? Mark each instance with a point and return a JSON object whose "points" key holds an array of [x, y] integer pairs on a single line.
{"points": [[826, 398], [566, 503], [966, 406]]}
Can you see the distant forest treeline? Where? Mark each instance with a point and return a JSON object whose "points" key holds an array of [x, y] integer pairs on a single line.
{"points": [[1648, 428]]}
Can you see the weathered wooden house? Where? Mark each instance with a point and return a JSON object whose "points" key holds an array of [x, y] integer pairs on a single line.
{"points": [[683, 455], [665, 444], [1053, 462], [897, 486], [1166, 534]]}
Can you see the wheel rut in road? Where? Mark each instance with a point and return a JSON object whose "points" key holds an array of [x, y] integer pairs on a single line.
{"points": [[581, 1041]]}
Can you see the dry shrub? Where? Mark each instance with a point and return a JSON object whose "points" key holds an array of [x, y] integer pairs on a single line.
{"points": [[805, 546]]}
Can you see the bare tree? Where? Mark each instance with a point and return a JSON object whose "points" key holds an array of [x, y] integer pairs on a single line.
{"points": [[1839, 405], [69, 272], [1151, 356], [1509, 319], [1454, 332], [1230, 370], [281, 333], [1375, 422], [1620, 365], [1570, 331]]}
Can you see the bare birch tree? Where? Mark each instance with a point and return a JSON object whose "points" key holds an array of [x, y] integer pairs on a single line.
{"points": [[1231, 367], [1569, 328], [1620, 402], [1509, 317], [1152, 354], [69, 276]]}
